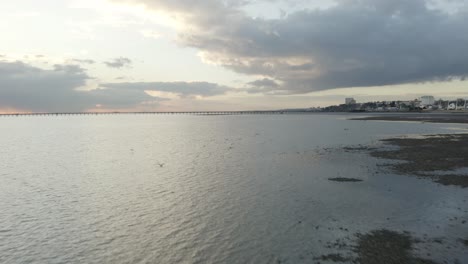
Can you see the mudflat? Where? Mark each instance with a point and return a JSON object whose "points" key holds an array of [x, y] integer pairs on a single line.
{"points": [[380, 246], [442, 158], [435, 156], [457, 118]]}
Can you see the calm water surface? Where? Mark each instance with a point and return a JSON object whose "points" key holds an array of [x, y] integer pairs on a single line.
{"points": [[207, 189]]}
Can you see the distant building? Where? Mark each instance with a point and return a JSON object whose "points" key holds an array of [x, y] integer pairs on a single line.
{"points": [[350, 101], [452, 105], [416, 103], [427, 100], [441, 104], [461, 104]]}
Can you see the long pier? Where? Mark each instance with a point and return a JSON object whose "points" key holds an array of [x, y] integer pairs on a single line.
{"points": [[205, 113]]}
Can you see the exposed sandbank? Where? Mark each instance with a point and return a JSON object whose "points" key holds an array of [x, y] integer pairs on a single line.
{"points": [[455, 118], [430, 156]]}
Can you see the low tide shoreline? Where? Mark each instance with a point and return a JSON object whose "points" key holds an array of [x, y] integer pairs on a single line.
{"points": [[440, 157], [454, 118]]}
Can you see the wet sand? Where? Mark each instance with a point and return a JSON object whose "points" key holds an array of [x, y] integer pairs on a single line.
{"points": [[340, 179], [381, 246], [435, 156], [465, 242], [441, 158], [454, 118], [387, 247]]}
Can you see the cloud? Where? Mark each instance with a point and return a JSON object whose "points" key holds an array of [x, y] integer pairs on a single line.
{"points": [[29, 88], [264, 85], [121, 98], [118, 63], [60, 89], [25, 87], [85, 61], [182, 89], [148, 33], [354, 43], [25, 14], [267, 83]]}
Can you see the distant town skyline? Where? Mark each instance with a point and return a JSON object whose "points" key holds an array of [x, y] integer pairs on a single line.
{"points": [[425, 99], [162, 55]]}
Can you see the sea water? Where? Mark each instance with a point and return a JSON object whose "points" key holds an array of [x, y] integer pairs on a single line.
{"points": [[209, 189]]}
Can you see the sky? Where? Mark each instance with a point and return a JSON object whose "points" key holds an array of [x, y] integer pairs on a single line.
{"points": [[197, 55]]}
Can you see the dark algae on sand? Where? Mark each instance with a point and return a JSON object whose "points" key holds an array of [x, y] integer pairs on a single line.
{"points": [[381, 246], [427, 156], [387, 247], [448, 118], [342, 179]]}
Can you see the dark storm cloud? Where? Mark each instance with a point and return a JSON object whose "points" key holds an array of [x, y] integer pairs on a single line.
{"points": [[353, 43], [183, 89], [118, 63], [25, 87]]}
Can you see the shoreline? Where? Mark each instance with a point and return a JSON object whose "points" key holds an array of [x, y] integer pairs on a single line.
{"points": [[443, 158], [454, 118], [440, 157]]}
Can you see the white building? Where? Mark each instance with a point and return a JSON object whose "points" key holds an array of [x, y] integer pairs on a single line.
{"points": [[452, 106], [427, 100]]}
